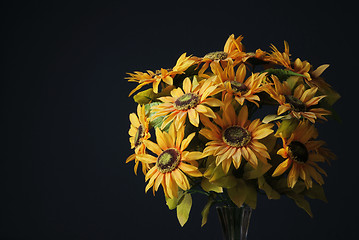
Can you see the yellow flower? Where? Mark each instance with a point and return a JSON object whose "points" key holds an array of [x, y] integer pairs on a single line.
{"points": [[281, 58], [298, 66], [165, 75], [172, 163], [189, 101], [301, 154], [232, 83], [234, 137], [138, 133], [232, 52], [299, 103]]}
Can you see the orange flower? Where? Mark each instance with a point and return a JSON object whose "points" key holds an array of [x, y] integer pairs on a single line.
{"points": [[232, 83], [299, 103], [165, 75], [172, 163], [234, 137], [232, 52], [138, 133], [301, 154], [191, 101]]}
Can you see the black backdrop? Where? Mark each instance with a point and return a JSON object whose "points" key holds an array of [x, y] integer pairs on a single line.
{"points": [[65, 112]]}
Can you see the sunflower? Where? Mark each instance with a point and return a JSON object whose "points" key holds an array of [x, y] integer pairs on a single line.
{"points": [[299, 103], [234, 136], [189, 101], [172, 164], [301, 154], [232, 83], [165, 75], [233, 52], [138, 132], [283, 59]]}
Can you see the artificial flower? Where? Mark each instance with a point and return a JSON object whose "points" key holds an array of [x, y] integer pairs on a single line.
{"points": [[232, 52], [234, 137], [164, 75], [232, 83], [191, 101], [299, 103], [172, 164], [138, 133], [301, 153]]}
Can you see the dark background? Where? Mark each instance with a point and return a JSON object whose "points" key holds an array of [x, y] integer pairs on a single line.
{"points": [[65, 113]]}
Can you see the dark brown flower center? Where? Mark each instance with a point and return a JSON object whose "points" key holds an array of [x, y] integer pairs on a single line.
{"points": [[187, 101], [219, 55], [168, 160], [298, 152], [238, 87], [139, 135], [236, 136], [296, 104]]}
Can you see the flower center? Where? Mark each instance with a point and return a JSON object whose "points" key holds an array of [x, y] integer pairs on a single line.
{"points": [[186, 101], [168, 160], [298, 152], [238, 87], [219, 55], [295, 103], [139, 135], [236, 136]]}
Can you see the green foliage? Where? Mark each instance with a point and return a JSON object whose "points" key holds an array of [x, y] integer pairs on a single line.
{"points": [[286, 127], [184, 208], [282, 74]]}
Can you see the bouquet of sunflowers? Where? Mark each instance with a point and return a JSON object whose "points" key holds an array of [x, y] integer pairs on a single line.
{"points": [[230, 125]]}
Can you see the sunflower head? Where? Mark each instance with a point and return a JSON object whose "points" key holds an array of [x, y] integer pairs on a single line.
{"points": [[168, 160], [187, 101], [216, 56], [236, 136]]}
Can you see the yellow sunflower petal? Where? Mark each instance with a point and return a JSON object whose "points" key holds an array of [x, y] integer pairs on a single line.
{"points": [[187, 85], [282, 168], [146, 158], [186, 141], [191, 156], [242, 116], [293, 175], [193, 117], [190, 170], [153, 147], [161, 141], [134, 120]]}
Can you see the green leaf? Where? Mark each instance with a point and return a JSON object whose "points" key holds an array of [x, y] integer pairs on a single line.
{"points": [[270, 192], [208, 186], [183, 209], [252, 173], [144, 97], [282, 74], [292, 81], [301, 202], [228, 181], [325, 89], [206, 209], [269, 141], [251, 199], [287, 127], [173, 202], [274, 117], [238, 194], [157, 122], [316, 192]]}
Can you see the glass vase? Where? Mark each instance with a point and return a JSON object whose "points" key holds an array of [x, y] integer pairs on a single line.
{"points": [[234, 221]]}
